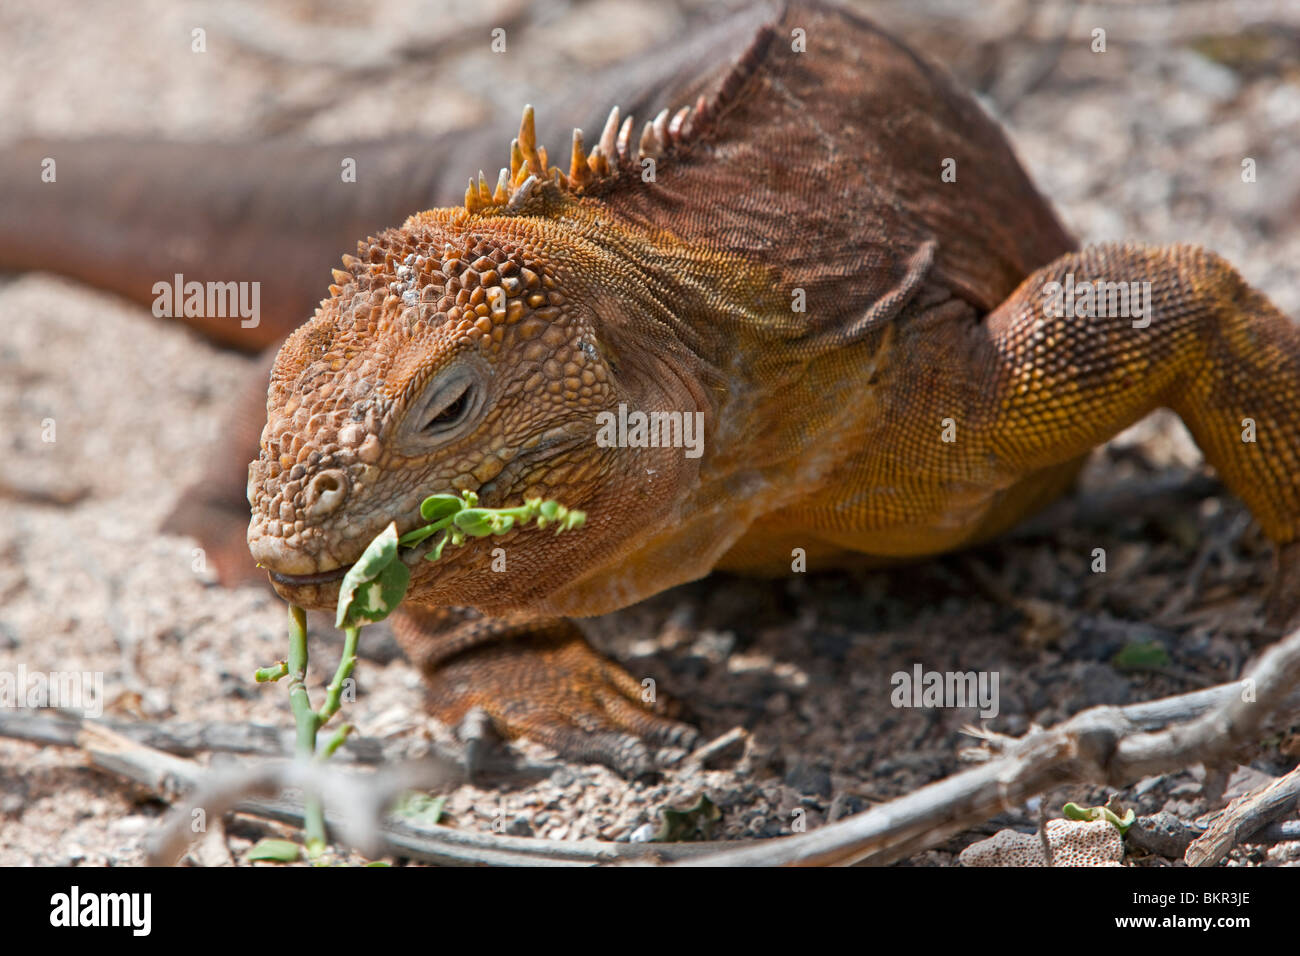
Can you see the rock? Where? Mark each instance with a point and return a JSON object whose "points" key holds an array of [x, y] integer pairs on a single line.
{"points": [[1162, 834], [1206, 77], [563, 777], [1073, 843], [642, 834], [1101, 685], [805, 778]]}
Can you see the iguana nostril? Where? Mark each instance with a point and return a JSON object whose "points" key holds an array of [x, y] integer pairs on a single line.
{"points": [[326, 492]]}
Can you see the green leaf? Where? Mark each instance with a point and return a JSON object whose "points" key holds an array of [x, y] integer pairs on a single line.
{"points": [[1141, 656], [418, 535], [421, 807], [377, 599], [1073, 811], [696, 823], [276, 851], [1108, 813], [435, 507], [436, 552], [477, 522], [375, 584], [461, 516]]}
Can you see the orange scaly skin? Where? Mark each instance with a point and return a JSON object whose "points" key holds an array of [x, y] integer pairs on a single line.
{"points": [[924, 400]]}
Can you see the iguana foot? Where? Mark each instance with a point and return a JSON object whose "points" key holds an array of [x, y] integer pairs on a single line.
{"points": [[539, 680]]}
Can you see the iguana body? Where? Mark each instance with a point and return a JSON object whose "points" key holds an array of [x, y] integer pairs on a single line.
{"points": [[923, 399]]}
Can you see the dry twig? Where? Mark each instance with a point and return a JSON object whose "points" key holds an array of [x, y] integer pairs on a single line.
{"points": [[353, 802], [1245, 816], [1105, 745]]}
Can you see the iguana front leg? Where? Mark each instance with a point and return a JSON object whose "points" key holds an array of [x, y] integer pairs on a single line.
{"points": [[538, 679], [1210, 347]]}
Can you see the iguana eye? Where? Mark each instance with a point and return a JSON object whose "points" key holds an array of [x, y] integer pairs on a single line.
{"points": [[450, 405], [448, 414]]}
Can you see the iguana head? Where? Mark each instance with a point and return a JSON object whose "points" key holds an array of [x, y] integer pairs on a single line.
{"points": [[474, 349]]}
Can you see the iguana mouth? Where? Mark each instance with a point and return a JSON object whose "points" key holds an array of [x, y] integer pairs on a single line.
{"points": [[550, 443], [319, 577], [410, 554]]}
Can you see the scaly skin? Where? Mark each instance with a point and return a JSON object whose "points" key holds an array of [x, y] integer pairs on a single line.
{"points": [[924, 400]]}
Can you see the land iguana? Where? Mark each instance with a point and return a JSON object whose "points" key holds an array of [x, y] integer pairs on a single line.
{"points": [[879, 356]]}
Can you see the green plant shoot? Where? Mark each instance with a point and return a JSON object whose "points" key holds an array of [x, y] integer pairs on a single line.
{"points": [[370, 591]]}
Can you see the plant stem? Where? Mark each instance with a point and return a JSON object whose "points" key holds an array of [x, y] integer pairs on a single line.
{"points": [[271, 674], [334, 692], [336, 741], [419, 534], [308, 722]]}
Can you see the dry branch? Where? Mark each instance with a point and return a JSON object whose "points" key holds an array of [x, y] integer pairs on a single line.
{"points": [[1105, 745], [186, 738], [1245, 816], [353, 804]]}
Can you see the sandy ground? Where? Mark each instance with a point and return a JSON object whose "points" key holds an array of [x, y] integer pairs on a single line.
{"points": [[1145, 142]]}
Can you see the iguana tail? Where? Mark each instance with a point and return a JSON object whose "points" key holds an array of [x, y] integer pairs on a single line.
{"points": [[131, 215]]}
